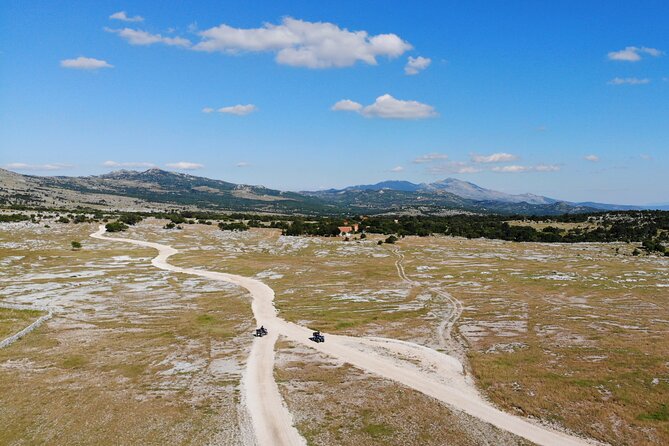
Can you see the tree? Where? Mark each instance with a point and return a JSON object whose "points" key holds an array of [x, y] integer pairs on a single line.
{"points": [[75, 245], [391, 240]]}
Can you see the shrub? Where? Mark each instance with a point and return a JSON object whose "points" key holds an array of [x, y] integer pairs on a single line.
{"points": [[169, 225], [392, 239], [232, 227], [116, 226], [130, 219], [75, 244]]}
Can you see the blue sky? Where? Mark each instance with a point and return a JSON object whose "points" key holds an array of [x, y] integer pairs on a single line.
{"points": [[566, 99]]}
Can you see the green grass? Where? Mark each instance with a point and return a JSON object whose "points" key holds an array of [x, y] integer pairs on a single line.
{"points": [[662, 414]]}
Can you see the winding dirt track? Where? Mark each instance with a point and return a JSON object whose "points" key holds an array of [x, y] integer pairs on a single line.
{"points": [[437, 375]]}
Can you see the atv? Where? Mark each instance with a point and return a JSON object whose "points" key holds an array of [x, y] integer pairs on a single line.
{"points": [[260, 332], [317, 337]]}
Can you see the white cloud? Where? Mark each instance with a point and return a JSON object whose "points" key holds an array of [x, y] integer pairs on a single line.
{"points": [[416, 64], [633, 54], [512, 168], [628, 81], [239, 110], [123, 16], [139, 37], [500, 157], [453, 167], [546, 168], [397, 169], [243, 164], [430, 157], [25, 166], [346, 105], [127, 164], [85, 63], [519, 169], [592, 157], [304, 44], [208, 110], [184, 165], [388, 107]]}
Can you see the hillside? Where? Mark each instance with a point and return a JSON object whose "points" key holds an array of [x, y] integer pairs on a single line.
{"points": [[156, 189]]}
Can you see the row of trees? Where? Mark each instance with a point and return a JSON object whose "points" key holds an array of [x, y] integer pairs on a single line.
{"points": [[649, 227]]}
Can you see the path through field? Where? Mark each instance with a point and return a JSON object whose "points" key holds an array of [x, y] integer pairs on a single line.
{"points": [[428, 371]]}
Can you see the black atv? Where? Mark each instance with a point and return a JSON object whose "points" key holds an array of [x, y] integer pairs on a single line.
{"points": [[317, 337], [260, 332]]}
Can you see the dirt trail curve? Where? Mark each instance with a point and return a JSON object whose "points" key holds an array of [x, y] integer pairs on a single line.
{"points": [[439, 376], [446, 326]]}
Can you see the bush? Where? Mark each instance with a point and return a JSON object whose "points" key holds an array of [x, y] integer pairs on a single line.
{"points": [[169, 225], [232, 227], [130, 219], [392, 239], [63, 220], [75, 244], [116, 226], [14, 217]]}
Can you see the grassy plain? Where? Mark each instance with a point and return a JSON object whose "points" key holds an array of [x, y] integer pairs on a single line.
{"points": [[132, 355], [576, 335]]}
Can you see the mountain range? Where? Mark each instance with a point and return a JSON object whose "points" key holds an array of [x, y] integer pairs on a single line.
{"points": [[156, 189]]}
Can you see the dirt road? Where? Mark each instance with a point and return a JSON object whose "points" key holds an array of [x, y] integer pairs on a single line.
{"points": [[435, 374]]}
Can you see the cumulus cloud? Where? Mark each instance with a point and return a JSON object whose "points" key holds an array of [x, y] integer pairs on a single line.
{"points": [[123, 16], [85, 63], [49, 166], [184, 165], [397, 169], [304, 44], [127, 164], [520, 169], [295, 42], [388, 107], [239, 110], [592, 157], [500, 157], [416, 64], [453, 167], [139, 37], [633, 54], [208, 110], [430, 157], [346, 105], [628, 81]]}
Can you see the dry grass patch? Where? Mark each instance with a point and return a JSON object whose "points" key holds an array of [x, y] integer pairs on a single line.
{"points": [[334, 403]]}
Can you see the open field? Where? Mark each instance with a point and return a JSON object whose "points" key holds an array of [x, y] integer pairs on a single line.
{"points": [[575, 335]]}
